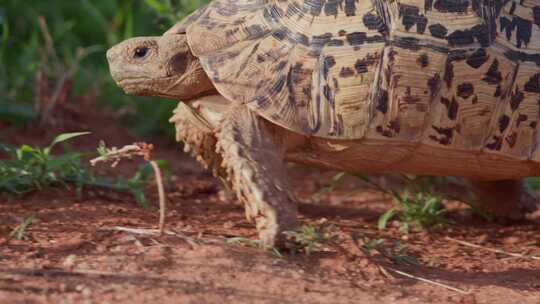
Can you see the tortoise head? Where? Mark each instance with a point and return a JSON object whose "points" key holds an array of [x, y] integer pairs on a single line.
{"points": [[158, 66]]}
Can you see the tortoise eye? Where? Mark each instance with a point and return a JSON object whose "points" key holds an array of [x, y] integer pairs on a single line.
{"points": [[140, 52]]}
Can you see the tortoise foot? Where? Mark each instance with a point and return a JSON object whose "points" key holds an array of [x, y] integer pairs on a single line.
{"points": [[510, 199]]}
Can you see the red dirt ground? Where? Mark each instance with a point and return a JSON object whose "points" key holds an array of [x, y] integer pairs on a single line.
{"points": [[72, 255]]}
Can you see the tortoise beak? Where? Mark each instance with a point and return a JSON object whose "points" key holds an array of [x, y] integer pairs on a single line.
{"points": [[113, 57]]}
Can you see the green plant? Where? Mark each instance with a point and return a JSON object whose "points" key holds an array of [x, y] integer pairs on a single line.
{"points": [[307, 238], [253, 243], [310, 238], [134, 185], [396, 252], [416, 211], [19, 233], [33, 168], [534, 183], [417, 208], [69, 56], [174, 10], [115, 155]]}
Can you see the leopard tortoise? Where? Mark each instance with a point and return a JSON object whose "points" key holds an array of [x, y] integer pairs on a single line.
{"points": [[428, 87]]}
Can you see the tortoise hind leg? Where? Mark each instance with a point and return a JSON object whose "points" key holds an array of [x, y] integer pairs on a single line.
{"points": [[256, 169], [506, 198]]}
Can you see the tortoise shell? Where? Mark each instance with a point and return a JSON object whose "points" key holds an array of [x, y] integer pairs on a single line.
{"points": [[458, 74]]}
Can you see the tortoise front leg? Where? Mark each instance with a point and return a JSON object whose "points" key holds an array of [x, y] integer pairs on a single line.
{"points": [[198, 138], [256, 169]]}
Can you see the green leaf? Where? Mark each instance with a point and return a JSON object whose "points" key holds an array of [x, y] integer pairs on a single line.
{"points": [[9, 149], [383, 219], [60, 162], [128, 11], [140, 197], [5, 28], [26, 153], [158, 6], [20, 231], [63, 137], [534, 183], [16, 113]]}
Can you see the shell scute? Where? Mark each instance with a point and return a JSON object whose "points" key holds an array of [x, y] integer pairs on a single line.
{"points": [[457, 74], [309, 66]]}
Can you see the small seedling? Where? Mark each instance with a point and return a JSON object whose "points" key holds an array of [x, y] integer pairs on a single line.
{"points": [[19, 233], [421, 210], [311, 238], [253, 243], [333, 183], [115, 155], [370, 245], [418, 211], [534, 183], [34, 168], [396, 253]]}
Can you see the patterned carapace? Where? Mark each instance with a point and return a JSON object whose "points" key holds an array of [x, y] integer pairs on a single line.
{"points": [[461, 74]]}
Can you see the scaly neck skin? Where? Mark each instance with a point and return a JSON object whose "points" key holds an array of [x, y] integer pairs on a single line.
{"points": [[199, 85]]}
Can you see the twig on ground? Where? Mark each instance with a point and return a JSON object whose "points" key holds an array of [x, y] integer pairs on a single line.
{"points": [[153, 232], [429, 281], [62, 70], [515, 255], [115, 155], [19, 231], [59, 87], [49, 44], [161, 194]]}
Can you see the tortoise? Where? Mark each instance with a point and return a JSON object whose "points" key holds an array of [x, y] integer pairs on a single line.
{"points": [[434, 87]]}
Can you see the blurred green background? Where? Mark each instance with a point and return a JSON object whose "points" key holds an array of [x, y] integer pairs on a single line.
{"points": [[61, 42]]}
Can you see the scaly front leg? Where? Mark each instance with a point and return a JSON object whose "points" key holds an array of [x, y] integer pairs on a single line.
{"points": [[256, 169], [198, 138]]}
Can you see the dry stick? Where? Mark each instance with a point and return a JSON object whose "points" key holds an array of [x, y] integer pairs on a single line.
{"points": [[429, 281], [58, 88], [115, 155], [141, 231], [48, 40], [516, 255], [141, 149], [60, 69], [51, 52], [161, 193]]}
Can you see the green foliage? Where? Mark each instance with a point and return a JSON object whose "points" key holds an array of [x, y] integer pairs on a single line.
{"points": [[19, 233], [534, 183], [417, 211], [33, 168], [310, 238], [174, 10], [395, 252], [253, 243], [87, 27]]}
